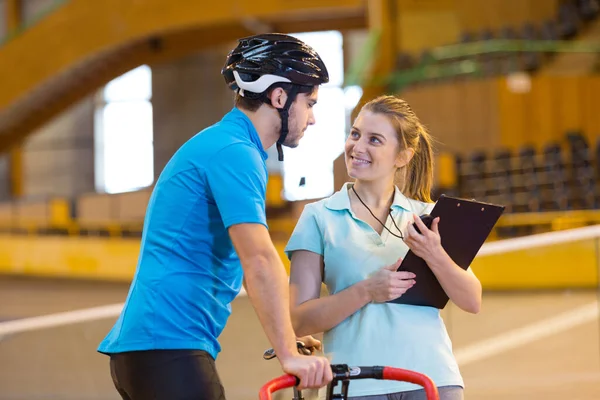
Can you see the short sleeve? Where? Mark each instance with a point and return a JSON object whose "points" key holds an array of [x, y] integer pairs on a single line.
{"points": [[237, 178], [307, 235]]}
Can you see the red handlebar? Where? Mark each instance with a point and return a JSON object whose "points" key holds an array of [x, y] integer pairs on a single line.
{"points": [[398, 374], [389, 373], [283, 382]]}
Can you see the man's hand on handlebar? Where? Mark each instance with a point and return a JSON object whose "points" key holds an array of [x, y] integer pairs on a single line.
{"points": [[314, 372]]}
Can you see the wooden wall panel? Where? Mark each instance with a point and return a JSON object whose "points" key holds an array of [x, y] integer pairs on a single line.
{"points": [[471, 115], [590, 95], [510, 107], [544, 114], [491, 90], [568, 99], [476, 114]]}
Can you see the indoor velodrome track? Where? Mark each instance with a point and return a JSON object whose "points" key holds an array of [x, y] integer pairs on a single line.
{"points": [[537, 345]]}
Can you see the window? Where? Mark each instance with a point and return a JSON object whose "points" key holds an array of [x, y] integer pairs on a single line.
{"points": [[323, 142], [123, 133]]}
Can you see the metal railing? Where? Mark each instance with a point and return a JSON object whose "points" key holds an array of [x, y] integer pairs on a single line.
{"points": [[464, 59]]}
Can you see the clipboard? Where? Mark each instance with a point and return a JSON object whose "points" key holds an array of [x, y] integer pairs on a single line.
{"points": [[464, 226]]}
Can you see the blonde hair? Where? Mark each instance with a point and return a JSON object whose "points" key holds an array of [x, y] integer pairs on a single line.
{"points": [[415, 180]]}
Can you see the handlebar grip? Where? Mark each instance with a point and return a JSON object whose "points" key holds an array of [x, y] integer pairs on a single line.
{"points": [[282, 382], [399, 374]]}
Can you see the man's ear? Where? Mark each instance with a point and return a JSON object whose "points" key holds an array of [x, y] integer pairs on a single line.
{"points": [[404, 157], [278, 97]]}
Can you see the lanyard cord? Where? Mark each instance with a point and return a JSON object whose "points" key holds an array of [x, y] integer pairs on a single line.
{"points": [[382, 224]]}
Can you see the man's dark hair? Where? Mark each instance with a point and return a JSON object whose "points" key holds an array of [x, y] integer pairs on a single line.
{"points": [[253, 103]]}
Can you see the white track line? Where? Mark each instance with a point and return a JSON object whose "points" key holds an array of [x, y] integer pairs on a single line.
{"points": [[476, 352], [539, 240], [65, 318], [59, 319], [528, 334]]}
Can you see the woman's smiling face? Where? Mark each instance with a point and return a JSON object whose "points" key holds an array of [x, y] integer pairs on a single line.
{"points": [[372, 148]]}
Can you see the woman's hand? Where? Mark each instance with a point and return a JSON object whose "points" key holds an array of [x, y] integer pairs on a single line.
{"points": [[427, 244], [462, 287], [388, 284], [310, 342]]}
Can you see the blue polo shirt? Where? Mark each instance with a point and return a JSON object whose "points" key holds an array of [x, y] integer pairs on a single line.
{"points": [[188, 272], [396, 335]]}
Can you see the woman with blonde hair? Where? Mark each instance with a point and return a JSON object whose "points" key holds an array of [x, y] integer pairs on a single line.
{"points": [[354, 242]]}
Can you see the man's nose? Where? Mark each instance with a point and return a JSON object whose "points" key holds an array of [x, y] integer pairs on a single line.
{"points": [[311, 117]]}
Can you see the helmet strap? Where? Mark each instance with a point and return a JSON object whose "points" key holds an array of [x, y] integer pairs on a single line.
{"points": [[284, 114]]}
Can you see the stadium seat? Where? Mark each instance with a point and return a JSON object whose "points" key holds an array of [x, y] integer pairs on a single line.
{"points": [[588, 9], [530, 61], [568, 21]]}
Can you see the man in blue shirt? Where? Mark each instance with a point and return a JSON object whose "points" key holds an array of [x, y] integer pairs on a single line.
{"points": [[205, 233]]}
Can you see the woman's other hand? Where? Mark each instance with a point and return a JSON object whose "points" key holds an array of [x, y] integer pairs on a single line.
{"points": [[310, 342], [389, 284]]}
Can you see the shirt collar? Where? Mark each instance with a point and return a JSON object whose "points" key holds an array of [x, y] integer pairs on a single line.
{"points": [[237, 116], [341, 200]]}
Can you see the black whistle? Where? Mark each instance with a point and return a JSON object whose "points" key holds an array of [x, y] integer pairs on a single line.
{"points": [[427, 220]]}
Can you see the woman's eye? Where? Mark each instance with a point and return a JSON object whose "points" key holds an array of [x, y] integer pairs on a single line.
{"points": [[375, 140]]}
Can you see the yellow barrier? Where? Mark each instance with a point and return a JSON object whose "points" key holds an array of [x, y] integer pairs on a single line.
{"points": [[74, 257], [568, 265], [69, 257]]}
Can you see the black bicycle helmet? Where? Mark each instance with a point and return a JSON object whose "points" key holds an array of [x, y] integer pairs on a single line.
{"points": [[260, 61]]}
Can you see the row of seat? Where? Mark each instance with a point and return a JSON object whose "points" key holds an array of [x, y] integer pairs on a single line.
{"points": [[96, 213], [560, 176], [88, 213]]}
